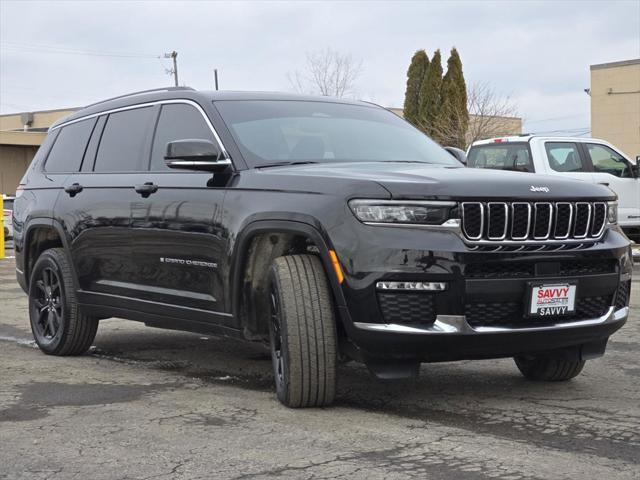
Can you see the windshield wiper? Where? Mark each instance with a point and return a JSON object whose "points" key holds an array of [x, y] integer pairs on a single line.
{"points": [[281, 164]]}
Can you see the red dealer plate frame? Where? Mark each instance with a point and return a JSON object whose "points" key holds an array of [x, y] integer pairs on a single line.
{"points": [[552, 299]]}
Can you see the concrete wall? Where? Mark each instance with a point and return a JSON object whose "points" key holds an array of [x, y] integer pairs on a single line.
{"points": [[18, 146], [615, 104], [14, 161]]}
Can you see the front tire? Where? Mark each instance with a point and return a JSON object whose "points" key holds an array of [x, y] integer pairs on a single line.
{"points": [[302, 332], [548, 369], [56, 322]]}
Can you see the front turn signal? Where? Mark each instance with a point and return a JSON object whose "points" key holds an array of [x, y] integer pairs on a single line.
{"points": [[336, 266]]}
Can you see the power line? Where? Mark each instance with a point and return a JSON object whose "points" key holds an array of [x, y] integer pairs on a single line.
{"points": [[554, 118], [573, 129], [55, 49], [567, 132]]}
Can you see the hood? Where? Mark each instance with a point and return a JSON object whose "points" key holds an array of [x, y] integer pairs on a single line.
{"points": [[424, 181]]}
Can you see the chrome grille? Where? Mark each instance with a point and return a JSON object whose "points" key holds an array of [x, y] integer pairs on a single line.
{"points": [[533, 222], [543, 220]]}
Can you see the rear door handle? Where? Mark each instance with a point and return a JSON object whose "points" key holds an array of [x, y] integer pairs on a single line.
{"points": [[146, 189], [73, 189]]}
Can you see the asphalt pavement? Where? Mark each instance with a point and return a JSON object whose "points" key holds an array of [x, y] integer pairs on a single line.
{"points": [[147, 403]]}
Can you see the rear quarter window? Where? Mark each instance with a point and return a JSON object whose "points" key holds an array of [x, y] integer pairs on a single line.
{"points": [[501, 156], [68, 149], [125, 141]]}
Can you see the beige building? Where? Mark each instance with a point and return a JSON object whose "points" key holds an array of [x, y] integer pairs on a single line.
{"points": [[20, 136], [615, 104], [481, 128]]}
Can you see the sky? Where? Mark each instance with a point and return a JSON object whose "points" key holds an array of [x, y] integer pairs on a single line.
{"points": [[57, 54]]}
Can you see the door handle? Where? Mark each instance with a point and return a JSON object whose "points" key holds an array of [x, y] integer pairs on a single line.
{"points": [[146, 189], [604, 183], [73, 189]]}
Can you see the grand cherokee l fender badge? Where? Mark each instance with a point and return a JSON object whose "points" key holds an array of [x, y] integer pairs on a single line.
{"points": [[188, 262]]}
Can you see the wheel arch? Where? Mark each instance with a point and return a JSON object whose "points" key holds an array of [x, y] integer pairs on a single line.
{"points": [[40, 235], [254, 240]]}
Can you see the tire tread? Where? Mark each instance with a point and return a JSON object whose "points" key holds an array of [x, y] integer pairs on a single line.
{"points": [[309, 325]]}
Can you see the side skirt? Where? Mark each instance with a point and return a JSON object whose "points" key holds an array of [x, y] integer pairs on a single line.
{"points": [[158, 315]]}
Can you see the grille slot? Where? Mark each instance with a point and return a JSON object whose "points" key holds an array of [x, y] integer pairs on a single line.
{"points": [[543, 220], [583, 216], [520, 220], [498, 220], [473, 220], [533, 222], [599, 219], [564, 216]]}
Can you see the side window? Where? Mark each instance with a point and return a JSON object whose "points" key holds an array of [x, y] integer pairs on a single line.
{"points": [[68, 149], [605, 160], [564, 157], [177, 122], [124, 141]]}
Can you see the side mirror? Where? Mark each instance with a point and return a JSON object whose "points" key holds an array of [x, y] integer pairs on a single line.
{"points": [[193, 154], [458, 154]]}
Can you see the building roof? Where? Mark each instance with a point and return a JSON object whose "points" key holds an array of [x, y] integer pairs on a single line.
{"points": [[623, 63], [12, 128]]}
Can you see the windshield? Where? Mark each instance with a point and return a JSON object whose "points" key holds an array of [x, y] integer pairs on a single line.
{"points": [[270, 131], [501, 156]]}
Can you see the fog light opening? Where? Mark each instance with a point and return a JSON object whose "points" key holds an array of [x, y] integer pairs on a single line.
{"points": [[413, 286]]}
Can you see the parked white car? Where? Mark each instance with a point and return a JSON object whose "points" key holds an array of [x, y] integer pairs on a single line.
{"points": [[587, 159], [7, 212]]}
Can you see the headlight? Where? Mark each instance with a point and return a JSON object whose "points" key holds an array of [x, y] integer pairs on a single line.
{"points": [[402, 212], [612, 213]]}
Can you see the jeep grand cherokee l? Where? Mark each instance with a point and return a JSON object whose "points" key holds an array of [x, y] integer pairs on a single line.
{"points": [[327, 229]]}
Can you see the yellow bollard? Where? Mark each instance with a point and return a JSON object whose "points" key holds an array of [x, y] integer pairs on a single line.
{"points": [[2, 235]]}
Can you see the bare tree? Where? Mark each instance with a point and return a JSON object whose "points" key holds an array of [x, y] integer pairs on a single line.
{"points": [[327, 72], [490, 115]]}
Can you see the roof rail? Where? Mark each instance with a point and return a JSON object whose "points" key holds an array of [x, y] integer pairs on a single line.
{"points": [[141, 92]]}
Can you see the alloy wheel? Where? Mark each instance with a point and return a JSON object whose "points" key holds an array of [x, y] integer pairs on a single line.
{"points": [[48, 304]]}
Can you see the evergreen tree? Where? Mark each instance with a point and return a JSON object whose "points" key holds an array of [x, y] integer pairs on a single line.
{"points": [[430, 97], [415, 76], [453, 120]]}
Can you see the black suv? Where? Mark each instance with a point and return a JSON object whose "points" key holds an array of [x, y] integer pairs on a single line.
{"points": [[328, 229]]}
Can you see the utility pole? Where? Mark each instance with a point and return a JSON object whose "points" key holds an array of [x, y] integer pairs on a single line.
{"points": [[215, 75], [173, 55]]}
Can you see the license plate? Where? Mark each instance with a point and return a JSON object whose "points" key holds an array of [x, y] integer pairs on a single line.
{"points": [[552, 300]]}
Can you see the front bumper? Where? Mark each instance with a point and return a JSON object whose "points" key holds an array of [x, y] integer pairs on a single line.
{"points": [[457, 324], [481, 314], [452, 338]]}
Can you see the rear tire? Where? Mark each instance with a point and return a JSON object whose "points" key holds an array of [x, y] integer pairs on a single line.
{"points": [[302, 332], [549, 369], [56, 322]]}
